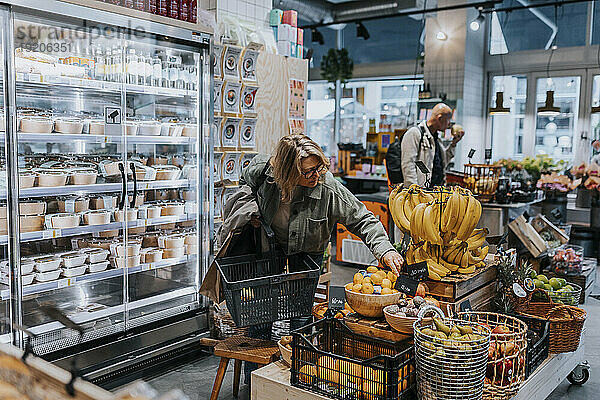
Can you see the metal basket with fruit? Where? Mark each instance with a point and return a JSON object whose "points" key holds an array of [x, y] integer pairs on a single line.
{"points": [[507, 354], [567, 259], [370, 291], [451, 357], [559, 290]]}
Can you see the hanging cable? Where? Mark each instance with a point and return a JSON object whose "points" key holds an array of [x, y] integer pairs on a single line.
{"points": [[412, 90]]}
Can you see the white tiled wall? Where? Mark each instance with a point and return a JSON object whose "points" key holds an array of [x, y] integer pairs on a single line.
{"points": [[256, 11]]}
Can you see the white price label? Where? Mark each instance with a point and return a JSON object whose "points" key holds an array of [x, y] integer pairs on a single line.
{"points": [[20, 76], [146, 267], [66, 282], [51, 233], [35, 78]]}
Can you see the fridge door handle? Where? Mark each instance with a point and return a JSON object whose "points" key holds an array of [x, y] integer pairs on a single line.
{"points": [[132, 204], [124, 189]]}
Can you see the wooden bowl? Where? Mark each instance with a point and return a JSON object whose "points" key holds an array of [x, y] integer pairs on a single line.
{"points": [[402, 324], [286, 353], [370, 305]]}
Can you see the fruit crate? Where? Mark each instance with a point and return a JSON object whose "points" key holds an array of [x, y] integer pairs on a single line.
{"points": [[330, 359], [482, 180], [537, 351]]}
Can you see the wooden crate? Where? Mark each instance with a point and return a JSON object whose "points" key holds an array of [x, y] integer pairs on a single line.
{"points": [[374, 327], [454, 287]]}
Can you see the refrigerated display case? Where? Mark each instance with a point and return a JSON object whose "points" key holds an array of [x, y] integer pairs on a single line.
{"points": [[104, 174]]}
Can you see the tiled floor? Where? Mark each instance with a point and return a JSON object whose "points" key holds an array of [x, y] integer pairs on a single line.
{"points": [[196, 379]]}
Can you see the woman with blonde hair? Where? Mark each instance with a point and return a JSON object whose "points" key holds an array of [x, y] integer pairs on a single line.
{"points": [[303, 202]]}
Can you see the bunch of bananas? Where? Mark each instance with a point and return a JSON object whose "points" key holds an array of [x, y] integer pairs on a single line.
{"points": [[442, 225]]}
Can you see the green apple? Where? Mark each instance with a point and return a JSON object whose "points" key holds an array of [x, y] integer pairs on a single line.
{"points": [[543, 278]]}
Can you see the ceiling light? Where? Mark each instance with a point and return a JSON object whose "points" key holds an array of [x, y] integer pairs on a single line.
{"points": [[596, 110], [361, 31], [441, 36], [317, 36], [549, 109], [476, 23], [499, 106]]}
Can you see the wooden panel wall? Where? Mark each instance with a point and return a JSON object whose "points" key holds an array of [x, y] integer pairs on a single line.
{"points": [[273, 74]]}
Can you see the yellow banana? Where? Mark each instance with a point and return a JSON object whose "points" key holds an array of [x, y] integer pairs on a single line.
{"points": [[416, 222], [430, 226], [477, 238], [455, 255], [480, 264], [467, 270], [434, 275], [403, 220], [449, 266], [392, 207], [464, 259], [448, 213], [439, 269], [467, 225], [449, 250], [480, 256]]}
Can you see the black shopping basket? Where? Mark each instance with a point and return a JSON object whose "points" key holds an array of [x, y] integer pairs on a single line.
{"points": [[259, 289]]}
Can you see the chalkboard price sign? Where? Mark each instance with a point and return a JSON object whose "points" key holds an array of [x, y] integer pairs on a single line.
{"points": [[418, 271], [337, 297], [406, 285], [471, 153], [488, 154]]}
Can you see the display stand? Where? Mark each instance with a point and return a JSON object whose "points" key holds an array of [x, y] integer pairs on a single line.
{"points": [[550, 374], [273, 382]]}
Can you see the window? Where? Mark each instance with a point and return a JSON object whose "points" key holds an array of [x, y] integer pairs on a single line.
{"points": [[595, 118], [596, 25], [533, 29], [390, 102], [507, 129], [554, 134]]}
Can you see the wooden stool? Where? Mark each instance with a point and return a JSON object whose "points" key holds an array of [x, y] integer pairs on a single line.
{"points": [[241, 348]]}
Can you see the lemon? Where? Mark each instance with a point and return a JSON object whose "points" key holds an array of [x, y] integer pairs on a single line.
{"points": [[357, 288], [392, 276], [366, 280], [538, 283], [386, 290], [327, 370], [307, 373], [376, 279], [367, 288], [372, 269], [358, 278], [349, 286], [543, 278], [386, 283]]}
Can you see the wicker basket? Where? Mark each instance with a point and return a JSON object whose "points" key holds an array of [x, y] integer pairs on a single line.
{"points": [[482, 180], [566, 322], [403, 324], [506, 357]]}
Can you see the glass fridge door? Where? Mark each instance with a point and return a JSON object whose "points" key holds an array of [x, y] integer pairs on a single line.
{"points": [[72, 177], [162, 141], [8, 278]]}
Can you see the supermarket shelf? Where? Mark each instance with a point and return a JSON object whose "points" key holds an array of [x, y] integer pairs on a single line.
{"points": [[97, 276], [101, 188], [72, 85], [90, 229], [65, 137]]}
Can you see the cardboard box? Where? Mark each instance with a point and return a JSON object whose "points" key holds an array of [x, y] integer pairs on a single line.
{"points": [[248, 133], [284, 48], [216, 127], [248, 99], [231, 60], [218, 52], [231, 97], [218, 95], [230, 132], [286, 33], [246, 158], [299, 51], [275, 17], [300, 36], [231, 166], [290, 17], [218, 166]]}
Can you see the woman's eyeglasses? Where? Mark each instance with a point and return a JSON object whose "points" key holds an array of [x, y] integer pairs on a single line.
{"points": [[311, 172]]}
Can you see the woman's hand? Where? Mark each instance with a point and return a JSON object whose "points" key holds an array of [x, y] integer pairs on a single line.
{"points": [[393, 260]]}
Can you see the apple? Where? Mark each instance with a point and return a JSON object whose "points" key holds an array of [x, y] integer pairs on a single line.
{"points": [[501, 330]]}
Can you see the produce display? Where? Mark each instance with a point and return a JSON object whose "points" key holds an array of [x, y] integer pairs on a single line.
{"points": [[559, 290], [567, 259], [451, 358], [373, 281], [441, 224]]}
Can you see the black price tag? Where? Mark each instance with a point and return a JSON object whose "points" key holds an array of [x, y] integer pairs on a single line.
{"points": [[422, 167], [488, 154], [418, 271], [471, 153], [528, 284], [465, 306], [406, 285], [337, 297], [556, 213]]}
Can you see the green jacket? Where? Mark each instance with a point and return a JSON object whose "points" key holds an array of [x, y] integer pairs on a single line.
{"points": [[315, 212]]}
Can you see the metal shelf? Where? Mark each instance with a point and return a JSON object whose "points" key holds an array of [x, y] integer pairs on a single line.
{"points": [[97, 276], [65, 137], [101, 188], [38, 82], [90, 229]]}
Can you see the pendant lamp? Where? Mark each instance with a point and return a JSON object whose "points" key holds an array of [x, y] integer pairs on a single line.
{"points": [[499, 106], [549, 109]]}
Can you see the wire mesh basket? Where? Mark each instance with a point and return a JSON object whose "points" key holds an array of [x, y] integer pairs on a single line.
{"points": [[330, 359], [507, 353], [449, 369], [482, 180], [569, 297]]}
